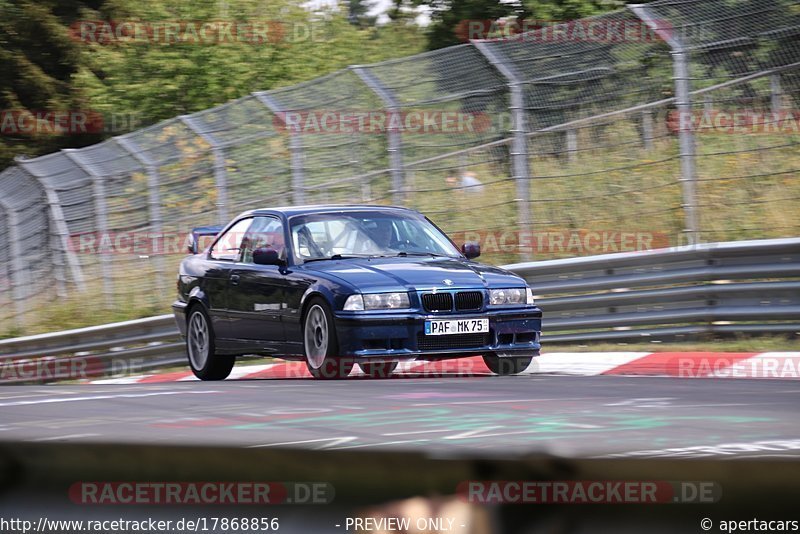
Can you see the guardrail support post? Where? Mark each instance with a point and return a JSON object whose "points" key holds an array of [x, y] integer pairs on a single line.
{"points": [[393, 136], [520, 167], [683, 102]]}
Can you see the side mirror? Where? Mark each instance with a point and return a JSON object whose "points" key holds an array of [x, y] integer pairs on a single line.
{"points": [[471, 250], [200, 237], [267, 256]]}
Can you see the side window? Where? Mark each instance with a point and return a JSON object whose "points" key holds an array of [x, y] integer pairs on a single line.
{"points": [[266, 232], [228, 246]]}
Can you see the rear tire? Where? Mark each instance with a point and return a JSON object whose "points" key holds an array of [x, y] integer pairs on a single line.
{"points": [[378, 369], [507, 365], [205, 363], [320, 344]]}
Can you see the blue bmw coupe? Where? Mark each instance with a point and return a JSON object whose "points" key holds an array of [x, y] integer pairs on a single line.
{"points": [[337, 286]]}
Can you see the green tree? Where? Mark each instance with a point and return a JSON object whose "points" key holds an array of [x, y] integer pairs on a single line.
{"points": [[49, 67], [448, 17], [38, 64], [358, 13]]}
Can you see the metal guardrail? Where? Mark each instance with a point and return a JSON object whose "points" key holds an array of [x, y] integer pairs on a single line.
{"points": [[748, 287], [726, 288], [103, 350]]}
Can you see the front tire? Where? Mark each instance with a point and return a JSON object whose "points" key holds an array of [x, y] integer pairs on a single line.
{"points": [[205, 363], [321, 345], [378, 369], [506, 366]]}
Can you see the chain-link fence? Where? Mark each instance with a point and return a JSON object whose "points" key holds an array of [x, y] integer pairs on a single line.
{"points": [[664, 123]]}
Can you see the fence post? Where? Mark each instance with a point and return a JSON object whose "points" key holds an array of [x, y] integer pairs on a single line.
{"points": [[683, 103], [57, 219], [776, 94], [572, 145], [393, 136], [295, 149], [519, 151], [708, 103], [60, 223], [18, 278], [647, 129], [220, 170], [153, 210], [101, 214]]}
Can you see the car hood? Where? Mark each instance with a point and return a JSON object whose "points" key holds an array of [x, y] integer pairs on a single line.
{"points": [[387, 274]]}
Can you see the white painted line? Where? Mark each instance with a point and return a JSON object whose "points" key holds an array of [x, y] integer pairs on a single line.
{"points": [[333, 441], [723, 449], [121, 380], [499, 401], [102, 397], [27, 396], [472, 433], [69, 436], [390, 434], [381, 444]]}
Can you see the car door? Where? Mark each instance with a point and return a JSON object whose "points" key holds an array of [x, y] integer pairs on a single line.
{"points": [[256, 296], [222, 257]]}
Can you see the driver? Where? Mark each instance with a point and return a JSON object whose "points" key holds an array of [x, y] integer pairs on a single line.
{"points": [[381, 232]]}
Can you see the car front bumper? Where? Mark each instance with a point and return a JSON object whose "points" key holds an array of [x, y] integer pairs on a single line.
{"points": [[401, 336]]}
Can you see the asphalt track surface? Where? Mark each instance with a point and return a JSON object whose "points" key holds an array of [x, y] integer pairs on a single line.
{"points": [[597, 416]]}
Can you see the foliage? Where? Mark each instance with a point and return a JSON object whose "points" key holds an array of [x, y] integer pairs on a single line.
{"points": [[448, 16], [139, 81]]}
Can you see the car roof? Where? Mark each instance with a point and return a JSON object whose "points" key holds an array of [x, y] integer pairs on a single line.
{"points": [[322, 208]]}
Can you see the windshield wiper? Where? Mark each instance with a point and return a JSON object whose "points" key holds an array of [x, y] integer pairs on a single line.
{"points": [[338, 257], [419, 253]]}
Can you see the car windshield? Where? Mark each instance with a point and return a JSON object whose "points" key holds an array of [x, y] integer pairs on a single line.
{"points": [[321, 236]]}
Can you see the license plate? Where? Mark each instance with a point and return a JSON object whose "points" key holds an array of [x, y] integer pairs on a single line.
{"points": [[442, 327]]}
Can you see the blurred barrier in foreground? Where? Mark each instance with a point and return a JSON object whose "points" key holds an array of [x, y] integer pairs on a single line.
{"points": [[684, 130], [41, 476], [747, 287]]}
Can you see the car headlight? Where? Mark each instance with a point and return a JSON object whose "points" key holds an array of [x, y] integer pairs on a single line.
{"points": [[529, 300], [377, 301], [509, 297]]}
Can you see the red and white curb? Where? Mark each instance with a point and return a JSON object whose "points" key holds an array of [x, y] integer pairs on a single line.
{"points": [[775, 365]]}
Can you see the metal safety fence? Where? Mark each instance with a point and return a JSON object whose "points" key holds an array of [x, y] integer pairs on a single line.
{"points": [[667, 123]]}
